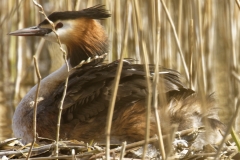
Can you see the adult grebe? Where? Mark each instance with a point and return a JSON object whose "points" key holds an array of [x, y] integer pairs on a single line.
{"points": [[89, 90]]}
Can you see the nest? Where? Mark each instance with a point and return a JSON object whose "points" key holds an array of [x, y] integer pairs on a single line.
{"points": [[72, 149]]}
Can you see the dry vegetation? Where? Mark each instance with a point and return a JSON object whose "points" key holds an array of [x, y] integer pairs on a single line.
{"points": [[207, 32]]}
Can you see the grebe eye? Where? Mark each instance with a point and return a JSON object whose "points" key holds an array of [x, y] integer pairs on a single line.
{"points": [[59, 25]]}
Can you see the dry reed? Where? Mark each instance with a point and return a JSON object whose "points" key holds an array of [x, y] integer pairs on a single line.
{"points": [[212, 45]]}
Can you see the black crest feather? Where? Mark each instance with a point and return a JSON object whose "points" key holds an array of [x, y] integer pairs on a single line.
{"points": [[95, 12]]}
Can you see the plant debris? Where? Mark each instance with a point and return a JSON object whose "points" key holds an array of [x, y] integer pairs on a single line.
{"points": [[72, 149]]}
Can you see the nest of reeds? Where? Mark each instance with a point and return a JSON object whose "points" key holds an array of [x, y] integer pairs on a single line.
{"points": [[72, 149]]}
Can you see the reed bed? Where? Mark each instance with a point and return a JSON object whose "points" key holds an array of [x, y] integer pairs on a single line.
{"points": [[201, 43]]}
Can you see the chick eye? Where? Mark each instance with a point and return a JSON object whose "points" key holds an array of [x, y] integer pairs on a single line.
{"points": [[59, 25]]}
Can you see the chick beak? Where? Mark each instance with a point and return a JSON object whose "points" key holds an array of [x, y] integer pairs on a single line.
{"points": [[31, 31]]}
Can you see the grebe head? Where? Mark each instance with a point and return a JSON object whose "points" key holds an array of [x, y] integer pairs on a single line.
{"points": [[78, 30]]}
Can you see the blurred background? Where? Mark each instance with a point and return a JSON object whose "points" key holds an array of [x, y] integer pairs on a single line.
{"points": [[207, 34]]}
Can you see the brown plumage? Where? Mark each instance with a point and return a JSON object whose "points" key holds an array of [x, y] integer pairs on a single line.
{"points": [[89, 90]]}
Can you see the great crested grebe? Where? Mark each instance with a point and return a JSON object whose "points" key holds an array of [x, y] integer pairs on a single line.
{"points": [[89, 90]]}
